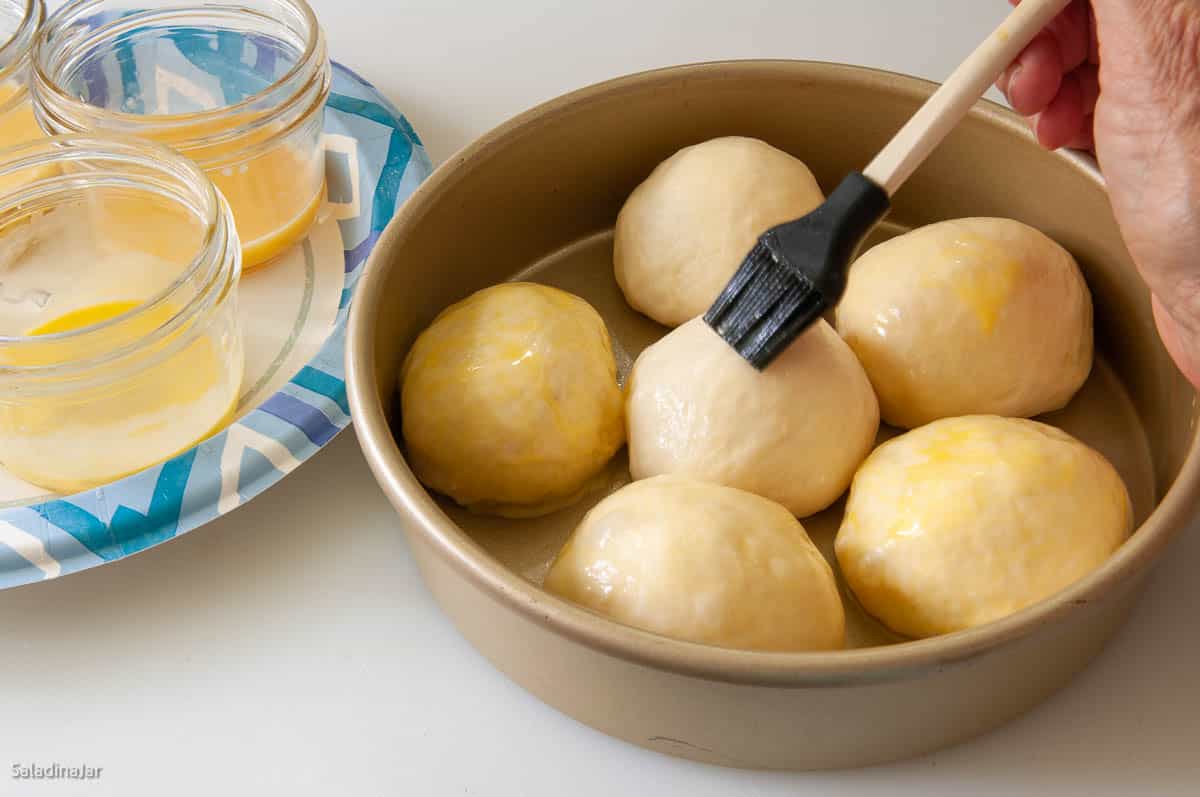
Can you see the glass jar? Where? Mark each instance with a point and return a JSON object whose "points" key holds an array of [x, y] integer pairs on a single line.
{"points": [[119, 339], [20, 21], [240, 89]]}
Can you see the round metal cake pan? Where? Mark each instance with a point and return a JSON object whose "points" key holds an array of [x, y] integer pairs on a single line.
{"points": [[553, 179]]}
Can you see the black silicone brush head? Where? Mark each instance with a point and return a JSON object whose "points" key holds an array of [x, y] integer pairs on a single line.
{"points": [[795, 273]]}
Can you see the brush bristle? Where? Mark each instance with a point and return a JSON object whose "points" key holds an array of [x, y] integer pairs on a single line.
{"points": [[764, 307]]}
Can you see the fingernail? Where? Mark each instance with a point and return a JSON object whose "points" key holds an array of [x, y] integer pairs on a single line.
{"points": [[1006, 79], [1036, 123], [1002, 81]]}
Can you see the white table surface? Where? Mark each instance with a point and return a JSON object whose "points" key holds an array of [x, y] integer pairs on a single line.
{"points": [[290, 648]]}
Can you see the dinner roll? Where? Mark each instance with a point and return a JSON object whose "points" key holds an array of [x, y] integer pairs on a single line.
{"points": [[967, 520], [793, 433], [684, 231], [972, 316], [703, 563], [510, 402]]}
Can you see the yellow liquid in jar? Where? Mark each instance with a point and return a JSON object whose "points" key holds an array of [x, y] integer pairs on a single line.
{"points": [[274, 194], [75, 441], [83, 317], [267, 222], [18, 125]]}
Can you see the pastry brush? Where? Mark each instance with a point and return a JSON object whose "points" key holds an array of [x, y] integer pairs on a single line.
{"points": [[797, 270]]}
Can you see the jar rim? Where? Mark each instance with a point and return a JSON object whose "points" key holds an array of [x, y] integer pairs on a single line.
{"points": [[313, 57], [16, 50], [218, 246]]}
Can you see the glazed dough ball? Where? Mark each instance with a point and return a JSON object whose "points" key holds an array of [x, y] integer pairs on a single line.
{"points": [[703, 563], [974, 316], [684, 231], [510, 402], [793, 433], [968, 520]]}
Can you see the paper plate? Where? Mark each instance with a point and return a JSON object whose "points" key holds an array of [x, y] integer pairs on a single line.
{"points": [[293, 312]]}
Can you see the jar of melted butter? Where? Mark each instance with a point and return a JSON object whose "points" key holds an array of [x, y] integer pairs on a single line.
{"points": [[119, 340], [239, 89]]}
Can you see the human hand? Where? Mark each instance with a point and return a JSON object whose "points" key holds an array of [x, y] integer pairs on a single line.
{"points": [[1122, 78]]}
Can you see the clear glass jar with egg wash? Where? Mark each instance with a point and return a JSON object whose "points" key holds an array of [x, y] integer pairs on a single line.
{"points": [[119, 338], [238, 88], [20, 21]]}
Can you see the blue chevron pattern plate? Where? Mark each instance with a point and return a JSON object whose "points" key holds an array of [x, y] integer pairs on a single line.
{"points": [[294, 401]]}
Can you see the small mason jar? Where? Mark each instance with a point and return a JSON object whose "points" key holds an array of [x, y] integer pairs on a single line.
{"points": [[238, 88], [119, 338], [20, 21]]}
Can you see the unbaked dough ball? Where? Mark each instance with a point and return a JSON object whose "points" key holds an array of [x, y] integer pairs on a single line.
{"points": [[793, 433], [967, 520], [684, 231], [510, 402], [704, 563], [972, 316]]}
